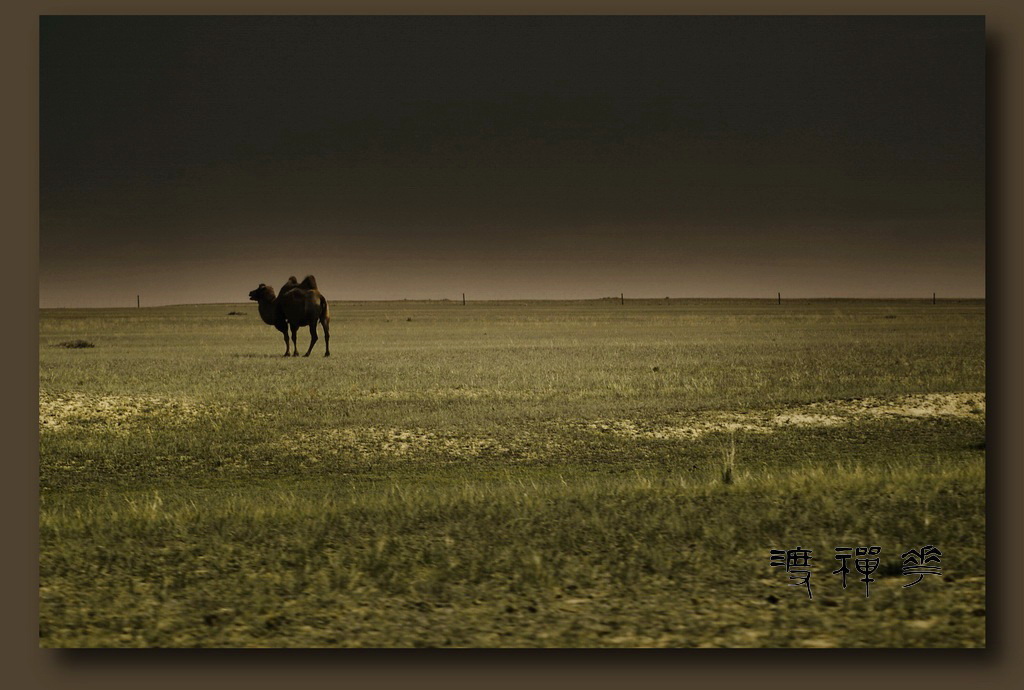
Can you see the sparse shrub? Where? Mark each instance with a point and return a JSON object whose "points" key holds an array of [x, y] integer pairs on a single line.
{"points": [[729, 461], [236, 313], [75, 344]]}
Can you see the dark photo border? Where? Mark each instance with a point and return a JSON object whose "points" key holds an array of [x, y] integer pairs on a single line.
{"points": [[999, 665]]}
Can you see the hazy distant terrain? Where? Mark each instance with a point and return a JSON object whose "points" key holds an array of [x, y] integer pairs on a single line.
{"points": [[511, 474]]}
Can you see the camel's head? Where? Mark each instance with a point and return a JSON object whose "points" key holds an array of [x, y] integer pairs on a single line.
{"points": [[262, 293]]}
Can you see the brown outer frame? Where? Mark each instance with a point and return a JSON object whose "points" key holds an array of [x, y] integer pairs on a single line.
{"points": [[1000, 665]]}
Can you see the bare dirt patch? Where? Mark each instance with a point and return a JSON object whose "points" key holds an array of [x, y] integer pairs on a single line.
{"points": [[114, 413], [435, 394], [821, 414], [533, 443], [925, 405]]}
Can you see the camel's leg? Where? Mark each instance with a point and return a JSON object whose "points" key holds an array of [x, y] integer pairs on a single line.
{"points": [[284, 332], [327, 336], [295, 345], [312, 338]]}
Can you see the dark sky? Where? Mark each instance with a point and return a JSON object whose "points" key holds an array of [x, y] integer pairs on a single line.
{"points": [[190, 158]]}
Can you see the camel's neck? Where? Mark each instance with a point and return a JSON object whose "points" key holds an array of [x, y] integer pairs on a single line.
{"points": [[268, 310]]}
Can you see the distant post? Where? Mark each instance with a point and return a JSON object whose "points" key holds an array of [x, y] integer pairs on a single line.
{"points": [[138, 301], [463, 299], [622, 298], [780, 298], [933, 298]]}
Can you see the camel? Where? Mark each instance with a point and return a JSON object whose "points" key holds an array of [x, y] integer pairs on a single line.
{"points": [[297, 305]]}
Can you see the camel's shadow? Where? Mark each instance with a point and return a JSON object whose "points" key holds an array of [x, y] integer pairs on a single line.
{"points": [[255, 356]]}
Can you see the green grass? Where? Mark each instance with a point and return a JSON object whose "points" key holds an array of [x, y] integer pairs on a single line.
{"points": [[438, 482]]}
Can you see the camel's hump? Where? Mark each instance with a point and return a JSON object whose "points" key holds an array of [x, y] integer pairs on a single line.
{"points": [[309, 283], [289, 286]]}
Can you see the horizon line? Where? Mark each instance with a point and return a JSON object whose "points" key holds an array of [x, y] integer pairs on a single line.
{"points": [[458, 301]]}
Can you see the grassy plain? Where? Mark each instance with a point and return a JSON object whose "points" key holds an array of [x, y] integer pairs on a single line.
{"points": [[511, 474]]}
